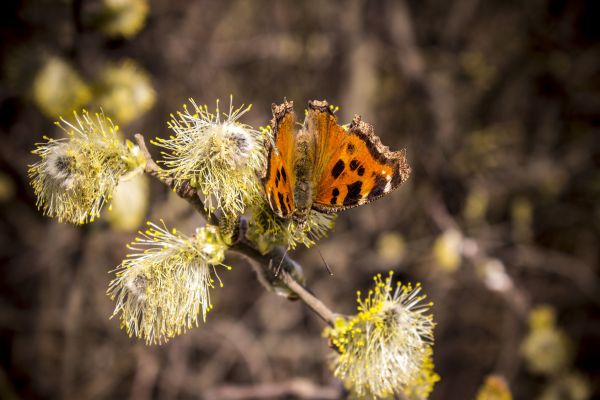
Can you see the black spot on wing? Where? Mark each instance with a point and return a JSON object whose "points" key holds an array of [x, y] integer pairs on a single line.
{"points": [[354, 164], [338, 168], [353, 195], [283, 175], [378, 188], [334, 195], [350, 148], [361, 171], [283, 207]]}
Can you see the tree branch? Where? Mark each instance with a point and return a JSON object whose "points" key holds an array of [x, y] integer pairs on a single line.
{"points": [[278, 272], [477, 255], [311, 301], [184, 190], [297, 388]]}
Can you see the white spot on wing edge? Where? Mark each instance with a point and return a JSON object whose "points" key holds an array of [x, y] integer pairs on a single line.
{"points": [[388, 185]]}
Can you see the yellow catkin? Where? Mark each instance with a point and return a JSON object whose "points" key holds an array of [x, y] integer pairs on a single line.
{"points": [[75, 176], [387, 347], [216, 154], [164, 285]]}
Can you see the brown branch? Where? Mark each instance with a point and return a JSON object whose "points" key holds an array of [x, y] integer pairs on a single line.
{"points": [[311, 301], [412, 63], [477, 255], [278, 272], [183, 190], [297, 388]]}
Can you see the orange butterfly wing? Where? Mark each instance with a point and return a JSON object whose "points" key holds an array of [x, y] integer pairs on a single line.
{"points": [[352, 167], [279, 182]]}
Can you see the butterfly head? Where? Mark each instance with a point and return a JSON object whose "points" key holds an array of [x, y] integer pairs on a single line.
{"points": [[300, 215]]}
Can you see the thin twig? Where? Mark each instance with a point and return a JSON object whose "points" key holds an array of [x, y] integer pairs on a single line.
{"points": [[477, 255], [311, 301], [183, 190], [266, 266], [297, 388], [412, 63]]}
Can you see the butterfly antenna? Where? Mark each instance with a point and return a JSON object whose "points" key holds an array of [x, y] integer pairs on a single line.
{"points": [[278, 270], [325, 262]]}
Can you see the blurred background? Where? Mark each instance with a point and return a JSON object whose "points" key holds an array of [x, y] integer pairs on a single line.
{"points": [[497, 103]]}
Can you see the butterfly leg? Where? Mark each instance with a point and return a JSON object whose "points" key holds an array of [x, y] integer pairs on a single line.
{"points": [[278, 270]]}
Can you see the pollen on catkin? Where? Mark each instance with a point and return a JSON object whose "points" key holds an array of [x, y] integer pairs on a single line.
{"points": [[216, 154], [421, 386], [164, 285], [387, 347], [76, 175], [265, 229]]}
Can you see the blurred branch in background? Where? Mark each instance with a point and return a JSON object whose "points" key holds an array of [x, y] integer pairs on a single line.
{"points": [[297, 388]]}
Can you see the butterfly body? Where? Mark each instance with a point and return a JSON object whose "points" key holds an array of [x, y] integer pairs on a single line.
{"points": [[323, 166], [303, 171]]}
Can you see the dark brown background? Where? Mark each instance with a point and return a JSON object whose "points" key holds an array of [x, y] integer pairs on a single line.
{"points": [[503, 96]]}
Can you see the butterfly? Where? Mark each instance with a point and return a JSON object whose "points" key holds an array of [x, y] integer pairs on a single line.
{"points": [[325, 167]]}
